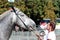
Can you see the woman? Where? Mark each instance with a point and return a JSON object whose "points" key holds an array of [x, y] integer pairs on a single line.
{"points": [[51, 33]]}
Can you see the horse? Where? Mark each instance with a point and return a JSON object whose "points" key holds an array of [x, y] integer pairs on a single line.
{"points": [[8, 19]]}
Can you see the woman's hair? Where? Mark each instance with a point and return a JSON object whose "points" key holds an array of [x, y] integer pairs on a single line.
{"points": [[52, 24]]}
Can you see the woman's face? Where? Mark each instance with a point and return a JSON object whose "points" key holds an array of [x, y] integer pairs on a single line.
{"points": [[48, 26]]}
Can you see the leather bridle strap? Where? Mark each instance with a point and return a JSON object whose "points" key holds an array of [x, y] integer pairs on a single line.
{"points": [[20, 18], [23, 22]]}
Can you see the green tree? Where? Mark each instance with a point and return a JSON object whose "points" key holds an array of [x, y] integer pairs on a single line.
{"points": [[34, 7], [49, 11]]}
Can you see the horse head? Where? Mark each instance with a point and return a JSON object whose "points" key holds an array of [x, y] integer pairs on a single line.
{"points": [[23, 20]]}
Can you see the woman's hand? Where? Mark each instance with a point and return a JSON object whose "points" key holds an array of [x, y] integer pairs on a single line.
{"points": [[37, 35]]}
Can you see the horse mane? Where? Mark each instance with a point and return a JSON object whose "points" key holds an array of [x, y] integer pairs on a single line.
{"points": [[3, 15]]}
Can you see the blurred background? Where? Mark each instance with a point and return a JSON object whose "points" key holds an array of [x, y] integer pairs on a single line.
{"points": [[38, 10], [35, 9]]}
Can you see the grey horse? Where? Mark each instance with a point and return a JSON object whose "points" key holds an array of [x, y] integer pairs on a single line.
{"points": [[9, 18]]}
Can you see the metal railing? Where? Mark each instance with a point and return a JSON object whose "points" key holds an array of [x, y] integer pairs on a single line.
{"points": [[29, 35], [22, 36]]}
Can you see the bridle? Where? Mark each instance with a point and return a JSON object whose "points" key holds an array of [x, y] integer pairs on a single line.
{"points": [[20, 18], [23, 22]]}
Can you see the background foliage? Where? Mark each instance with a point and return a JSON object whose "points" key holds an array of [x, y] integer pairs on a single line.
{"points": [[35, 9]]}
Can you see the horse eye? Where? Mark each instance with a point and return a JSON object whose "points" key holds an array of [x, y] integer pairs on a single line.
{"points": [[22, 15]]}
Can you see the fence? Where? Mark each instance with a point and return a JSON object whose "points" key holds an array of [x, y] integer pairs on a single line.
{"points": [[28, 35], [22, 36]]}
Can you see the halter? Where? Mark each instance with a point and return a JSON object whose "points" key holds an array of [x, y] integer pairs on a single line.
{"points": [[23, 22], [20, 18]]}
